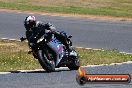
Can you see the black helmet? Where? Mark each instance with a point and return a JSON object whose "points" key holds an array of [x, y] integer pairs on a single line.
{"points": [[29, 22]]}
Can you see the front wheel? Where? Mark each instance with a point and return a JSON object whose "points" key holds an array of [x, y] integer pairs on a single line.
{"points": [[75, 64], [46, 61]]}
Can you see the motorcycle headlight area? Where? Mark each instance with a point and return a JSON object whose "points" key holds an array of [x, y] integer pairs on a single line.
{"points": [[40, 39]]}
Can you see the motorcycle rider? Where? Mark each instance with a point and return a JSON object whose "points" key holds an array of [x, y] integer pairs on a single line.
{"points": [[31, 26]]}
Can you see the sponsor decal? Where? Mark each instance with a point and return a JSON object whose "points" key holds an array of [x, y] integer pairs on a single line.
{"points": [[83, 78]]}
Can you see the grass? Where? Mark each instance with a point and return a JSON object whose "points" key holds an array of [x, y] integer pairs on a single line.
{"points": [[14, 55], [96, 57], [116, 8]]}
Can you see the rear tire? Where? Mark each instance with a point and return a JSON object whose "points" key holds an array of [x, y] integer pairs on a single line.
{"points": [[75, 64], [48, 65]]}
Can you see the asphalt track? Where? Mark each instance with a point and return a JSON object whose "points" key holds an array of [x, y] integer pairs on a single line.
{"points": [[62, 78], [90, 33]]}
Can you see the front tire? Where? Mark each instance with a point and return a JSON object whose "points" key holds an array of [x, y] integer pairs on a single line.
{"points": [[48, 65]]}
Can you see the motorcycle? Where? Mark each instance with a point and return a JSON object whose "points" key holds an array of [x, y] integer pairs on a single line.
{"points": [[51, 53]]}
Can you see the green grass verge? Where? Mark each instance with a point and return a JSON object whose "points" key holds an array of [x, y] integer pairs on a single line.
{"points": [[14, 55], [115, 10], [96, 57]]}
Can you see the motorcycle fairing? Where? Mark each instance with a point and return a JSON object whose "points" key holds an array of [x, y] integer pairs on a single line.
{"points": [[58, 47]]}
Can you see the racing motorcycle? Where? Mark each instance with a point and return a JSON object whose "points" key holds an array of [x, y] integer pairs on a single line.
{"points": [[43, 49]]}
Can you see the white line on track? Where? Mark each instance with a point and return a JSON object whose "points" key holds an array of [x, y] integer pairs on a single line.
{"points": [[4, 73]]}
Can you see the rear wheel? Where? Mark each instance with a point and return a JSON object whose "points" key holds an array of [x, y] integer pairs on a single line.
{"points": [[46, 61], [75, 64]]}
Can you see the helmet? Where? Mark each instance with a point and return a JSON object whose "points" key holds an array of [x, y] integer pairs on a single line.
{"points": [[29, 22]]}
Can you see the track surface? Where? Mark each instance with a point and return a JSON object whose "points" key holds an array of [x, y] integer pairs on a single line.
{"points": [[86, 33], [89, 33], [61, 78]]}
